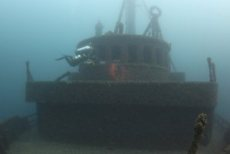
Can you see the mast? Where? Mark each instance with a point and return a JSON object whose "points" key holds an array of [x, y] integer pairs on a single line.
{"points": [[128, 7], [130, 16], [153, 29]]}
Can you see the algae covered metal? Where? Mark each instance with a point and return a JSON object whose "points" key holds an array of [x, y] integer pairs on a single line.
{"points": [[124, 92]]}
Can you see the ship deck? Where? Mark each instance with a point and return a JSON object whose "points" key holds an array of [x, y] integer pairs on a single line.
{"points": [[32, 143]]}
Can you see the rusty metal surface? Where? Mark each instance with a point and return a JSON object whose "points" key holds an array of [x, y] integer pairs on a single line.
{"points": [[112, 39], [122, 111], [116, 92], [10, 130], [32, 143]]}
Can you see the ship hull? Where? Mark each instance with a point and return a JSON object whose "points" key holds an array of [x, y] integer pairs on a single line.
{"points": [[156, 114]]}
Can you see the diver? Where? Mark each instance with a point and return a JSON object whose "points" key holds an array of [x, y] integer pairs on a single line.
{"points": [[83, 54], [98, 29]]}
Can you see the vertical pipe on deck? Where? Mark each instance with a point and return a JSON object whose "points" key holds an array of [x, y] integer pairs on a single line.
{"points": [[130, 16]]}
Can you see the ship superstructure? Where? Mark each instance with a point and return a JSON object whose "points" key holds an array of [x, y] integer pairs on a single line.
{"points": [[124, 92]]}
